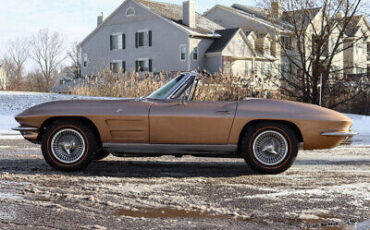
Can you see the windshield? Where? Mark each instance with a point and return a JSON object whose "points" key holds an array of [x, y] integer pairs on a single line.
{"points": [[164, 90]]}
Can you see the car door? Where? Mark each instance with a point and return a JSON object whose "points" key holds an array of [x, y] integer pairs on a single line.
{"points": [[193, 122], [125, 121]]}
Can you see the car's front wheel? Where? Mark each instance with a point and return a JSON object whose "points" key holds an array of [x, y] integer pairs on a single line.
{"points": [[69, 145], [269, 147]]}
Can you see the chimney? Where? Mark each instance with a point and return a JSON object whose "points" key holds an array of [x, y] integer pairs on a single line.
{"points": [[100, 19], [188, 14], [276, 9]]}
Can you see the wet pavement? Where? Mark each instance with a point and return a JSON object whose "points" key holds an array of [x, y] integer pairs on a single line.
{"points": [[326, 189]]}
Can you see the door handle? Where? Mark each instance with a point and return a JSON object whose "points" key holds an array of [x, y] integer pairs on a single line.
{"points": [[223, 111]]}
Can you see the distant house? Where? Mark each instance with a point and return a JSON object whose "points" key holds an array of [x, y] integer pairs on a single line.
{"points": [[66, 81], [3, 79], [357, 48], [143, 35], [354, 60]]}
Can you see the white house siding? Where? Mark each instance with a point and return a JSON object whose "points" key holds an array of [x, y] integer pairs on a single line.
{"points": [[238, 47], [165, 50], [238, 67], [203, 45]]}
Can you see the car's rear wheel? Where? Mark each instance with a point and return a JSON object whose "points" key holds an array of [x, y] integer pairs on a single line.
{"points": [[269, 147], [69, 145]]}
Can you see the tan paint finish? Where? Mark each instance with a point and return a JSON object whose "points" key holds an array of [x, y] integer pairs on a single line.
{"points": [[135, 121], [191, 123]]}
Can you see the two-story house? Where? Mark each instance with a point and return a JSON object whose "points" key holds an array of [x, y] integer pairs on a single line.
{"points": [[143, 35], [279, 26], [149, 36], [357, 46], [3, 79]]}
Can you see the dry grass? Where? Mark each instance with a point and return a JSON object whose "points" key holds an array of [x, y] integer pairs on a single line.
{"points": [[133, 85]]}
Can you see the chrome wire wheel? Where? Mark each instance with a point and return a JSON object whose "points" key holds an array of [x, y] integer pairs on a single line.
{"points": [[68, 146], [270, 148]]}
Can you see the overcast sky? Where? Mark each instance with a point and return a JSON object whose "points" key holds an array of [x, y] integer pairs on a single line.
{"points": [[74, 19]]}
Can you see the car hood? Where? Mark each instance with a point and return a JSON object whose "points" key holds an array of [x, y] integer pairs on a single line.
{"points": [[74, 107]]}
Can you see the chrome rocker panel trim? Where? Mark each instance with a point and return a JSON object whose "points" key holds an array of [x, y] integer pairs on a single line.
{"points": [[171, 149]]}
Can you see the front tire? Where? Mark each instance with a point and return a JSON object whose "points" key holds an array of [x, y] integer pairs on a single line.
{"points": [[269, 147], [69, 145], [101, 155]]}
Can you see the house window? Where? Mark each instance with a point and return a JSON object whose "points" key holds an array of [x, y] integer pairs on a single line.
{"points": [[286, 42], [267, 51], [144, 65], [248, 68], [118, 66], [117, 41], [130, 12], [143, 38], [195, 54], [85, 60], [182, 52], [114, 67]]}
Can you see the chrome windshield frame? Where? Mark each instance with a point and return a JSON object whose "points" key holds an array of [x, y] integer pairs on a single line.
{"points": [[176, 87]]}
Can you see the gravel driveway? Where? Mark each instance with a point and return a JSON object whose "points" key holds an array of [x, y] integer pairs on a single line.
{"points": [[329, 188]]}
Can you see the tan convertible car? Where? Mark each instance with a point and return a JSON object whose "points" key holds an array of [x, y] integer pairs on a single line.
{"points": [[266, 133]]}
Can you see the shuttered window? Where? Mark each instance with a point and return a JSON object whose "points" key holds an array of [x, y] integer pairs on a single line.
{"points": [[143, 39], [117, 41], [144, 65], [118, 66]]}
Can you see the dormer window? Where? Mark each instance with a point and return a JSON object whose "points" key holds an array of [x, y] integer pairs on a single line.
{"points": [[286, 42], [130, 12]]}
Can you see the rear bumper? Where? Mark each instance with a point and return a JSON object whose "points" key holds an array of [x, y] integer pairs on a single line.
{"points": [[350, 133], [347, 136]]}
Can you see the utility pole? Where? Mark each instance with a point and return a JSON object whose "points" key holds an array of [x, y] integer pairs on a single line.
{"points": [[320, 100]]}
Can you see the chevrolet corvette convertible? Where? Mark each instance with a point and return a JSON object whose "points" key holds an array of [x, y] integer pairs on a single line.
{"points": [[266, 133]]}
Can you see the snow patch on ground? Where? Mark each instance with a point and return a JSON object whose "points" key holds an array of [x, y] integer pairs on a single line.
{"points": [[362, 125]]}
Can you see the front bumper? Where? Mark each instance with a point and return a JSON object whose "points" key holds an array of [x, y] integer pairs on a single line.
{"points": [[24, 128], [29, 133]]}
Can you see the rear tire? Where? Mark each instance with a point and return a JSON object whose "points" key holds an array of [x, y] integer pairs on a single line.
{"points": [[269, 147], [69, 145]]}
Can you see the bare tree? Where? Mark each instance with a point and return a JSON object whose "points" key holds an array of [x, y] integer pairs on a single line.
{"points": [[14, 61], [74, 55], [47, 52], [315, 41]]}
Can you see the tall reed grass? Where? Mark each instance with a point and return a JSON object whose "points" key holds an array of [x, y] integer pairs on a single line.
{"points": [[215, 87]]}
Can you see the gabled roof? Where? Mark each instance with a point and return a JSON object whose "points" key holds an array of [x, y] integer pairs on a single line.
{"points": [[220, 44], [353, 25], [258, 14], [173, 12], [301, 16]]}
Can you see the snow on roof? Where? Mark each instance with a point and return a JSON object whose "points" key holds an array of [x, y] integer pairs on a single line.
{"points": [[173, 12]]}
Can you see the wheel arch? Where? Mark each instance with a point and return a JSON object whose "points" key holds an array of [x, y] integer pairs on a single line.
{"points": [[293, 126], [85, 120]]}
